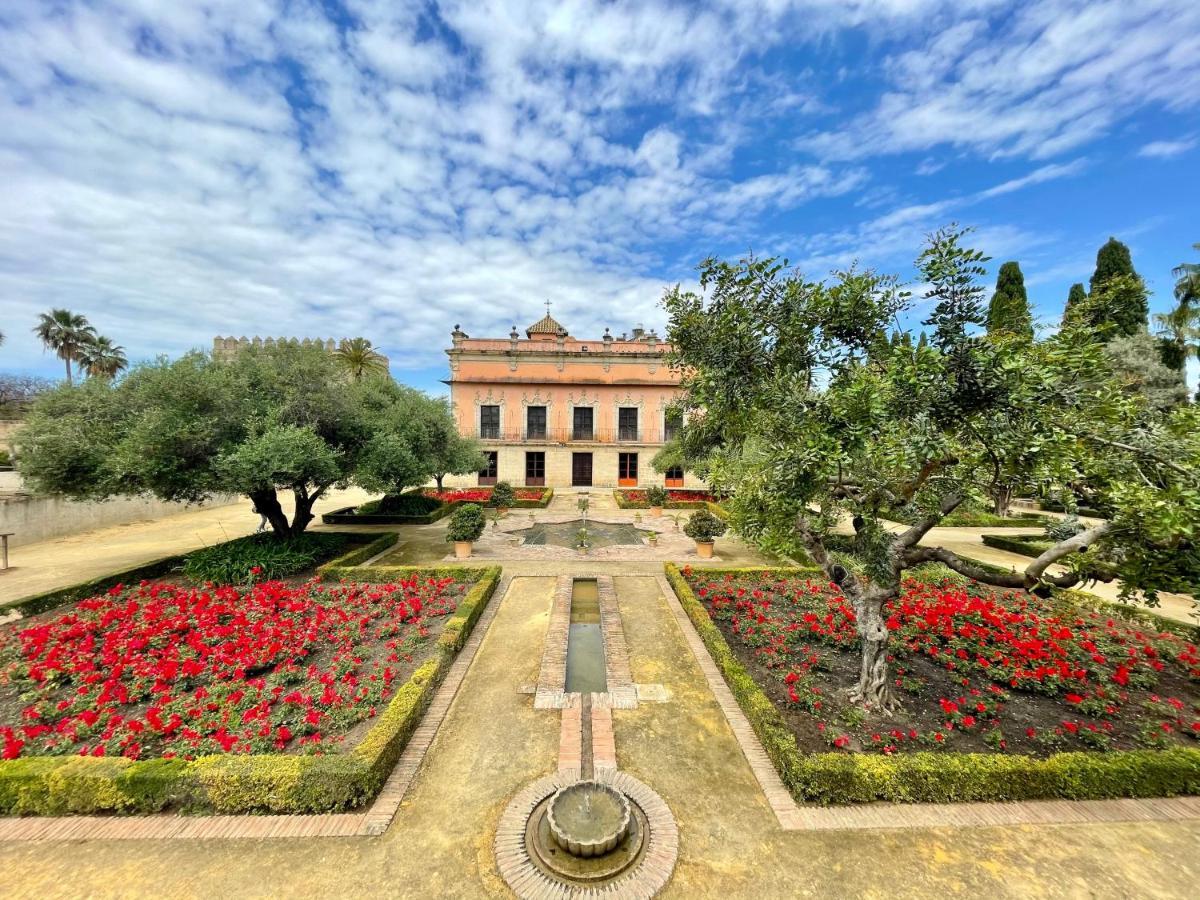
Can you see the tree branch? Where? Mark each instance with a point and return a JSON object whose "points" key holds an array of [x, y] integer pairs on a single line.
{"points": [[1077, 544], [913, 535], [1130, 448], [1034, 574]]}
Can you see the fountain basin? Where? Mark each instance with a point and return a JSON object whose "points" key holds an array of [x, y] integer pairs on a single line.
{"points": [[589, 819]]}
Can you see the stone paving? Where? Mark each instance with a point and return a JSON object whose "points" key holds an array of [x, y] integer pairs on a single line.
{"points": [[67, 560]]}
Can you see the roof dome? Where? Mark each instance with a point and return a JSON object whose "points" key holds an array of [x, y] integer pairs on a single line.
{"points": [[545, 325]]}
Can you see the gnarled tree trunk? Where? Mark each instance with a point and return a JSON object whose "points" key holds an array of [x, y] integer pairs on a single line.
{"points": [[267, 504], [874, 686]]}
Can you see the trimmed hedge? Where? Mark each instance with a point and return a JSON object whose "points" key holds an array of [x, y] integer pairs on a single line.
{"points": [[1025, 545], [840, 778], [350, 515], [261, 783]]}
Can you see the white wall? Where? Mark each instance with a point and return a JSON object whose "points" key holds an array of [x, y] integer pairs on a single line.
{"points": [[32, 519]]}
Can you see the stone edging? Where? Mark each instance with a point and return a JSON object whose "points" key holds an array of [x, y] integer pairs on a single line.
{"points": [[374, 821], [644, 881], [794, 817]]}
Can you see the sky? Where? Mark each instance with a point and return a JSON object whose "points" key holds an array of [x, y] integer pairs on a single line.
{"points": [[330, 168]]}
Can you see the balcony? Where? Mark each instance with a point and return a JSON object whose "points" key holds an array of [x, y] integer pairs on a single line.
{"points": [[569, 436]]}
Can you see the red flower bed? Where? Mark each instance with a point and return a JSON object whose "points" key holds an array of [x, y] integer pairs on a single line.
{"points": [[162, 670], [481, 495], [976, 669], [689, 495]]}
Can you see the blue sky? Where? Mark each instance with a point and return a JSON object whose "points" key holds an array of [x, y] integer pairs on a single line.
{"points": [[176, 171]]}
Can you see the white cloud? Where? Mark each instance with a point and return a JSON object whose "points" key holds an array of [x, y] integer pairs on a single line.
{"points": [[1167, 149], [181, 170], [1037, 82]]}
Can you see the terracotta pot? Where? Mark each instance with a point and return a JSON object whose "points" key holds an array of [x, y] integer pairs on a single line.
{"points": [[704, 549], [656, 511], [462, 550]]}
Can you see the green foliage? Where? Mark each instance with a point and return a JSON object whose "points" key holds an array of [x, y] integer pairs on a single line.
{"points": [[1008, 313], [502, 495], [841, 778], [410, 504], [1136, 361], [267, 783], [951, 270], [954, 423], [266, 419], [1075, 298], [656, 495], [1118, 306], [231, 562], [466, 524], [1061, 529], [703, 526], [1113, 260]]}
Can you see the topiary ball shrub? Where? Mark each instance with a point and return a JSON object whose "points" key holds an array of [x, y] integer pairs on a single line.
{"points": [[703, 526], [466, 523], [657, 496], [502, 495]]}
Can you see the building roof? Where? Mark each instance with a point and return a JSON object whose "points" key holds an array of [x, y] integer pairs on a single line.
{"points": [[545, 325]]}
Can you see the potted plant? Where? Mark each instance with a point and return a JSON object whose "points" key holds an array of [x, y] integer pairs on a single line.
{"points": [[657, 497], [581, 540], [466, 525], [502, 496], [702, 527]]}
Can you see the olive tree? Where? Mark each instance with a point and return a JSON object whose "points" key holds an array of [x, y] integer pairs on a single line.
{"points": [[823, 442], [266, 420]]}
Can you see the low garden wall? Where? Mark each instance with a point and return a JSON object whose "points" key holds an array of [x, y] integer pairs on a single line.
{"points": [[258, 783], [158, 568], [31, 518], [923, 777]]}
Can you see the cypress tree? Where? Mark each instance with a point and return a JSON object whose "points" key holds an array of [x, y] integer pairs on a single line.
{"points": [[1118, 301], [1008, 313], [1112, 259]]}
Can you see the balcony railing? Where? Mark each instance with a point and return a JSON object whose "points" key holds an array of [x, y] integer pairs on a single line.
{"points": [[572, 436]]}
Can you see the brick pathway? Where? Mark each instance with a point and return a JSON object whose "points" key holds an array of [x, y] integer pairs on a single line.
{"points": [[795, 817], [375, 820]]}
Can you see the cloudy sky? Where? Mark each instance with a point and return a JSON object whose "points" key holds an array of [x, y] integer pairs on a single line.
{"points": [[176, 170]]}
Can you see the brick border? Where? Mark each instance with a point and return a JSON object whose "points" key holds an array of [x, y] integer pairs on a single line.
{"points": [[551, 692], [373, 821], [794, 817], [642, 882]]}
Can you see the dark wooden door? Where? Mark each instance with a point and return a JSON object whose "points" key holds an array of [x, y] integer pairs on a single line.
{"points": [[581, 469]]}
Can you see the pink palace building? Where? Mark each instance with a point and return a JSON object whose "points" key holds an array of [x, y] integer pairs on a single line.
{"points": [[552, 409]]}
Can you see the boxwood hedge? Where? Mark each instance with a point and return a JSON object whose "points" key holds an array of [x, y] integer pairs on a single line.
{"points": [[841, 778]]}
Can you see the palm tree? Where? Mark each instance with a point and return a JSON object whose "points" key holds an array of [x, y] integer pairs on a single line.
{"points": [[101, 358], [1187, 281], [359, 358], [65, 333]]}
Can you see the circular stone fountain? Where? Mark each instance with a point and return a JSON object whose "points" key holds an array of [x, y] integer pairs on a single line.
{"points": [[588, 819], [584, 836]]}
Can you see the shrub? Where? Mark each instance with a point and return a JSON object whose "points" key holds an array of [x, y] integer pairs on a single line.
{"points": [[231, 562], [657, 496], [703, 526], [502, 495], [1063, 529], [405, 505], [466, 524]]}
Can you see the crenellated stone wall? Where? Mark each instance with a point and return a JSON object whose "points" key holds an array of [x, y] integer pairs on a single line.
{"points": [[224, 347]]}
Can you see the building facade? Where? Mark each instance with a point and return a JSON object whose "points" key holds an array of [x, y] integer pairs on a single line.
{"points": [[552, 409]]}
